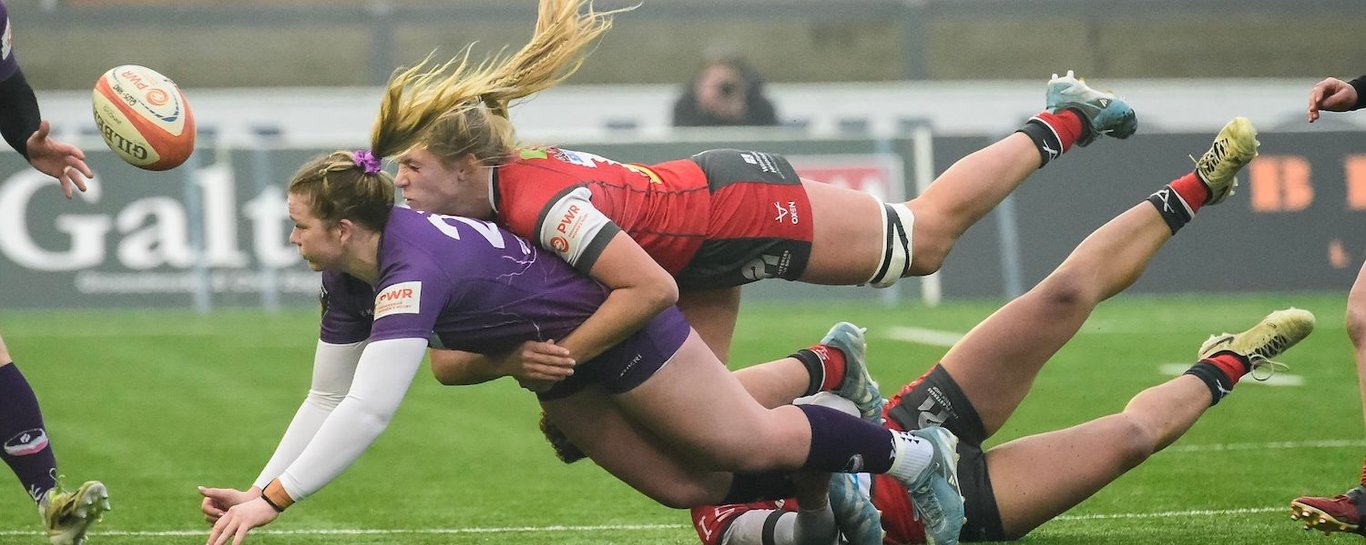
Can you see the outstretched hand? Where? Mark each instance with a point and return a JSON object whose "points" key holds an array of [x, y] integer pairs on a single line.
{"points": [[1331, 94], [240, 519], [58, 159], [217, 501]]}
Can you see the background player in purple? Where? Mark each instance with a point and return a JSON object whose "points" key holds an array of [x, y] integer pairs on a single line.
{"points": [[646, 409], [22, 125], [1345, 512], [67, 515]]}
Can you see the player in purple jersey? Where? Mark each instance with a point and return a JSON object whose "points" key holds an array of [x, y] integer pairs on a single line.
{"points": [[23, 127], [67, 515], [397, 281]]}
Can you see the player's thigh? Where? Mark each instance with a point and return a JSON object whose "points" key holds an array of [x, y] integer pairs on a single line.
{"points": [[631, 453], [847, 241], [712, 314], [700, 408]]}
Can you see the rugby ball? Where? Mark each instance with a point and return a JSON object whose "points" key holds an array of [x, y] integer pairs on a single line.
{"points": [[143, 117]]}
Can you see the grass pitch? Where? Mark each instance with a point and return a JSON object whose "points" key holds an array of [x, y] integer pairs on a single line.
{"points": [[155, 403]]}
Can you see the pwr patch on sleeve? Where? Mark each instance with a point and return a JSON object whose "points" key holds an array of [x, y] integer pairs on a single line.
{"points": [[400, 298]]}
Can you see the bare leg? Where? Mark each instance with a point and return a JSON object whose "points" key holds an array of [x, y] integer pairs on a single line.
{"points": [[712, 314], [725, 428], [630, 452], [1356, 329], [995, 364], [847, 243], [1083, 459]]}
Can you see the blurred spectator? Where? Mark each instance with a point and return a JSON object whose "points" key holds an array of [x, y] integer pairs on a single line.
{"points": [[726, 91]]}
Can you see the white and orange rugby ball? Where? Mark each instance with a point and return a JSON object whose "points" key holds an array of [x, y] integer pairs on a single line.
{"points": [[144, 117]]}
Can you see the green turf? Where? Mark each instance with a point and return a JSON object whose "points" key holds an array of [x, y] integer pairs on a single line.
{"points": [[155, 403]]}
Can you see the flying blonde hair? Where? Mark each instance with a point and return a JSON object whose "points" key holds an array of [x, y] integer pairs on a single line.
{"points": [[458, 108]]}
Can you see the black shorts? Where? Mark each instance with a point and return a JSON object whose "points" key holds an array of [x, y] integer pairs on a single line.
{"points": [[760, 223], [631, 362], [935, 398]]}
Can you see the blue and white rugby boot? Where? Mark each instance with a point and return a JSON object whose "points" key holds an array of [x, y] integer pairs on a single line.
{"points": [[858, 386], [935, 495], [858, 519], [1105, 113]]}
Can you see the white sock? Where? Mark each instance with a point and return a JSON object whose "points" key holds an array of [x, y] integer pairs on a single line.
{"points": [[913, 455]]}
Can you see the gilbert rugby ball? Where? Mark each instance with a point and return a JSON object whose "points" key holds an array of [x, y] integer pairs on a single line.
{"points": [[144, 117]]}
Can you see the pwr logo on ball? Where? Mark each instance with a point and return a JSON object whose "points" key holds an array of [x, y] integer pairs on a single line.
{"points": [[143, 117]]}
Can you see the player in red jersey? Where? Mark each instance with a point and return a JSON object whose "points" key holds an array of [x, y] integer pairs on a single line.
{"points": [[977, 385], [701, 226], [1345, 512]]}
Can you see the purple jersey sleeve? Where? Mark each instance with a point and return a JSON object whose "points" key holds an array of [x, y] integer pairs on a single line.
{"points": [[347, 309], [8, 64]]}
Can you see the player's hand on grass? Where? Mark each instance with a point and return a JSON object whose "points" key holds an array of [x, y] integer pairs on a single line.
{"points": [[217, 501], [1331, 94], [538, 363], [240, 519], [57, 159]]}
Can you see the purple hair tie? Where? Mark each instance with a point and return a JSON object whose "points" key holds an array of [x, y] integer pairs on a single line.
{"points": [[367, 161]]}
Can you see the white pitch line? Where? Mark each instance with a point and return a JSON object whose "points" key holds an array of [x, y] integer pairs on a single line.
{"points": [[920, 335], [383, 531], [1217, 447], [1278, 379], [1170, 514]]}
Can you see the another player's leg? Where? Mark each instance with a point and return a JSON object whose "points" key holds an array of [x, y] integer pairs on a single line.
{"points": [[915, 236], [1078, 461], [995, 364], [713, 313], [1345, 512], [67, 515]]}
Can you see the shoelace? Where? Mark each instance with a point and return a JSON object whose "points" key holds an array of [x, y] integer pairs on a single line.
{"points": [[1263, 368]]}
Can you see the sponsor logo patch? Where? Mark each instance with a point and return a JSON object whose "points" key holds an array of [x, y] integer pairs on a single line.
{"points": [[27, 442], [400, 298]]}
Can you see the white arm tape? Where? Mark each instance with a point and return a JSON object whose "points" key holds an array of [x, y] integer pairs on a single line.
{"points": [[897, 224]]}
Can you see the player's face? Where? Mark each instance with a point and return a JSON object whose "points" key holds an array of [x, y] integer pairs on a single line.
{"points": [[319, 242], [430, 186]]}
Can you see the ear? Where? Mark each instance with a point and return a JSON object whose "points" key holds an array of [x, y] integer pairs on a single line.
{"points": [[469, 166], [345, 229]]}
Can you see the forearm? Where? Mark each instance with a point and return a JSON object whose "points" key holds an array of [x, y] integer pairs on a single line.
{"points": [[333, 367], [624, 312], [457, 368], [19, 115], [381, 380]]}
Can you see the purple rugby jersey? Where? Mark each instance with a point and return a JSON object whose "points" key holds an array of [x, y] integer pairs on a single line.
{"points": [[8, 65], [469, 285]]}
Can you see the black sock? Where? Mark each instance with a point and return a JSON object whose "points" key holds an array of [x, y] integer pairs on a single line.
{"points": [[1172, 207], [1215, 378], [25, 439], [815, 370]]}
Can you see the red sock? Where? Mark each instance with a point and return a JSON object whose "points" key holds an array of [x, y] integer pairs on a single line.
{"points": [[1066, 124], [832, 360], [1233, 365], [1363, 473], [1191, 190]]}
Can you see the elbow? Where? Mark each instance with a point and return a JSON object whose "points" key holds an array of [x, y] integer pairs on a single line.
{"points": [[662, 294]]}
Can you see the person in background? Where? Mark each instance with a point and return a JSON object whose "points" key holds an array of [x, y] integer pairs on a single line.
{"points": [[1344, 512], [727, 91], [26, 449]]}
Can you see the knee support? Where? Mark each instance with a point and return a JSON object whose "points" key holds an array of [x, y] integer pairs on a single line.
{"points": [[897, 221]]}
